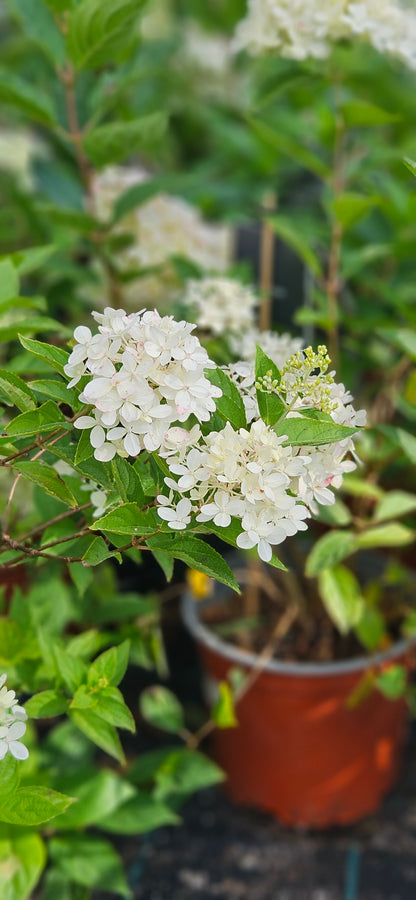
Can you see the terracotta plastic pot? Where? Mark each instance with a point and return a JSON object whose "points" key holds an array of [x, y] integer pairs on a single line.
{"points": [[298, 750]]}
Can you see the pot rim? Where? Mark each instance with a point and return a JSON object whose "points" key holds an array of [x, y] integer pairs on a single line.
{"points": [[202, 634]]}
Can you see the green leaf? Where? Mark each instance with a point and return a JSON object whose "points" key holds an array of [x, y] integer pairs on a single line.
{"points": [[271, 407], [230, 406], [97, 796], [109, 144], [287, 146], [33, 805], [54, 356], [57, 391], [109, 668], [22, 860], [223, 712], [392, 535], [338, 514], [405, 338], [371, 629], [98, 731], [162, 709], [25, 97], [410, 164], [89, 861], [9, 280], [392, 682], [330, 550], [394, 504], [9, 775], [265, 366], [39, 26], [305, 432], [48, 479], [145, 767], [127, 480], [409, 624], [59, 6], [404, 440], [360, 114], [195, 553], [139, 815], [165, 562], [358, 487], [32, 258], [183, 772], [341, 596], [97, 552], [289, 232], [87, 643], [102, 31], [46, 417], [111, 707], [84, 448], [71, 218], [350, 207], [29, 325], [46, 704], [11, 641], [71, 669], [16, 391], [128, 519]]}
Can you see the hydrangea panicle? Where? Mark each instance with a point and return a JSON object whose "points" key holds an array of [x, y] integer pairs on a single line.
{"points": [[252, 474], [146, 374], [221, 305], [298, 29]]}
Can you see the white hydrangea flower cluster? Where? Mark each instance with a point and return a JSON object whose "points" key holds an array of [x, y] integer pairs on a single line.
{"points": [[222, 306], [249, 474], [306, 383], [298, 29], [12, 723], [146, 373], [162, 227]]}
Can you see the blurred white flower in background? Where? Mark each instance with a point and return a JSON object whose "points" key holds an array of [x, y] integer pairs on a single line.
{"points": [[210, 57], [162, 227], [278, 347], [222, 306], [18, 149], [298, 29]]}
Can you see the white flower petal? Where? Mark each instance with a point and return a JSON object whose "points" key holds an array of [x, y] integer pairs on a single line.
{"points": [[18, 750], [85, 422], [105, 453]]}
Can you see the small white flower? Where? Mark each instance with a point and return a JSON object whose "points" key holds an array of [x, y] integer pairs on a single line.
{"points": [[177, 518], [10, 740]]}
